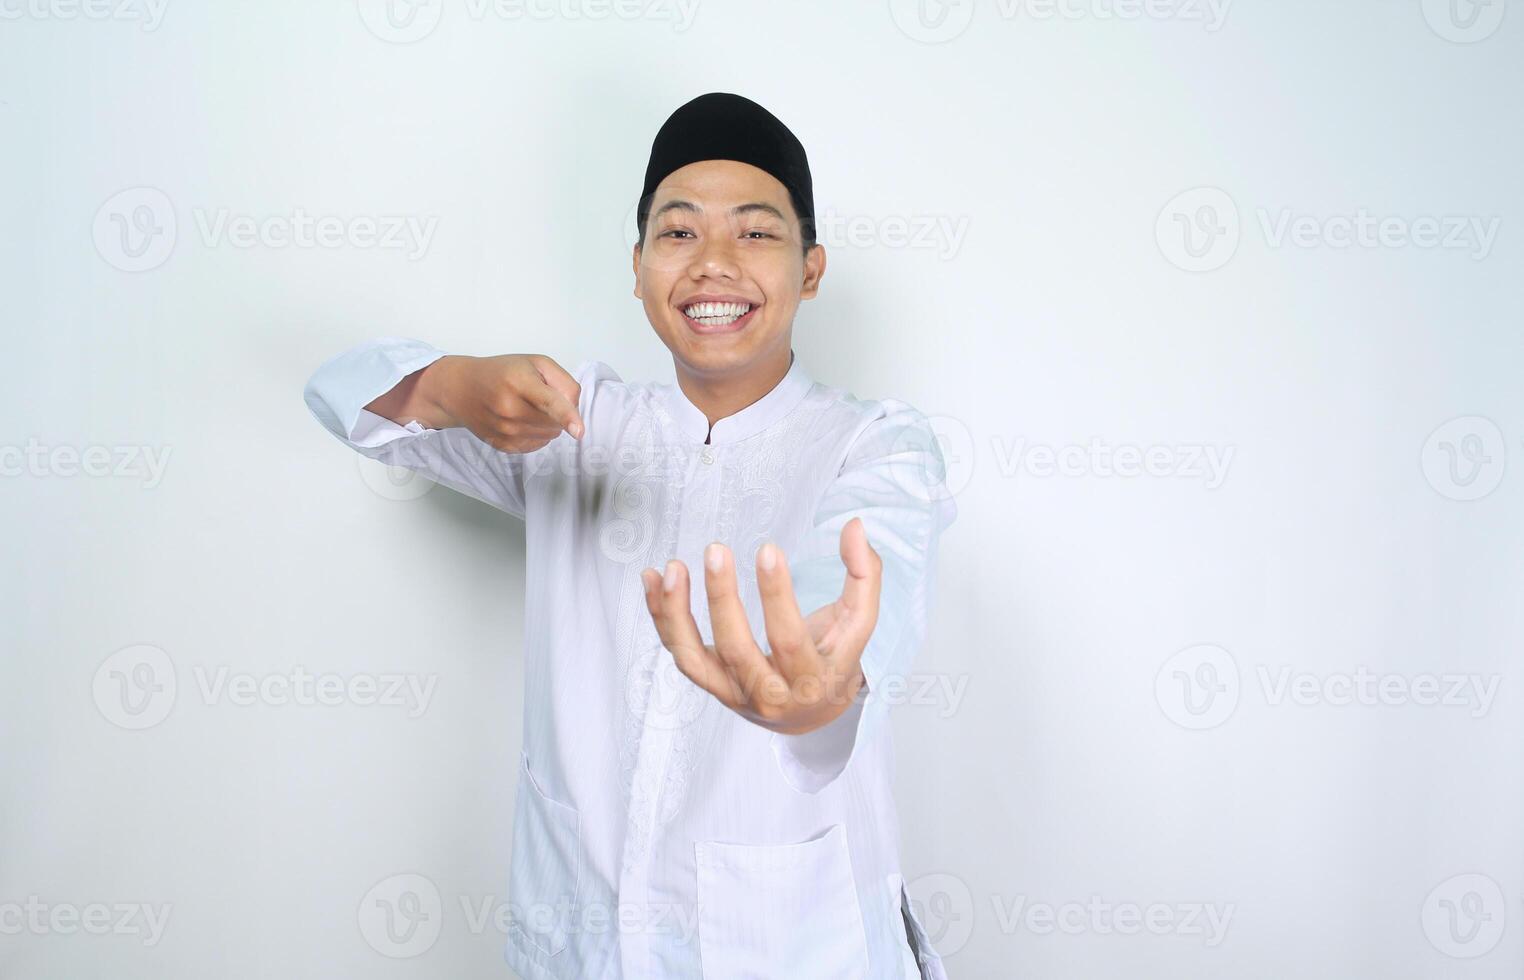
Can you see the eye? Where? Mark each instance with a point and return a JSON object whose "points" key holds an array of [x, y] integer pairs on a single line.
{"points": [[764, 234], [675, 231]]}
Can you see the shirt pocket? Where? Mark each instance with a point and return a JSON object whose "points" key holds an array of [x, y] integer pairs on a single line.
{"points": [[546, 865], [780, 910]]}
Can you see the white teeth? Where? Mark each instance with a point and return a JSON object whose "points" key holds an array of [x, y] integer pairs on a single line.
{"points": [[717, 313]]}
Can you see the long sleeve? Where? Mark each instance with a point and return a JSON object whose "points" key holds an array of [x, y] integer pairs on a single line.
{"points": [[341, 387], [894, 479]]}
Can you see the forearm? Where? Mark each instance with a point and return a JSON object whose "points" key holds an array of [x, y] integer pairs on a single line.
{"points": [[419, 396]]}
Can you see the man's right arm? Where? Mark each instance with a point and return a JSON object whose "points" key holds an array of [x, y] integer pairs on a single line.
{"points": [[465, 422]]}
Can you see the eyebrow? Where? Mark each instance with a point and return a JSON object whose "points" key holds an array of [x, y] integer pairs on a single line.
{"points": [[738, 210]]}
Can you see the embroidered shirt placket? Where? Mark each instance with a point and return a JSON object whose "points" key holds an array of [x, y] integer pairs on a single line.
{"points": [[673, 704]]}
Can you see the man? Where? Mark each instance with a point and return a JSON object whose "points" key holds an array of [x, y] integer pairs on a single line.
{"points": [[705, 784]]}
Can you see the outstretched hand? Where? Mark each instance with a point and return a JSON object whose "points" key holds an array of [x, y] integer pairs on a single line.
{"points": [[815, 668]]}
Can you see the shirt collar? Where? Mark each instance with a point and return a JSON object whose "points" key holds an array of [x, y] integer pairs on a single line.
{"points": [[771, 407]]}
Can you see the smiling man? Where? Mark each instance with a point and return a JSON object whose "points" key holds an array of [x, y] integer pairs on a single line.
{"points": [[704, 788]]}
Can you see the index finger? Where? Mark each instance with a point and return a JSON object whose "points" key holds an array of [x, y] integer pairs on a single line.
{"points": [[558, 398]]}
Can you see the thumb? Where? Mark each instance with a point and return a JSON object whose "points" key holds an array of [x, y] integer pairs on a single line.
{"points": [[860, 591]]}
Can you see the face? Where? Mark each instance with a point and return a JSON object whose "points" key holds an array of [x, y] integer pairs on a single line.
{"points": [[724, 233]]}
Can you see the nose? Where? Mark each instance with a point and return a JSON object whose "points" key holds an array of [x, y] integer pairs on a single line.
{"points": [[715, 258]]}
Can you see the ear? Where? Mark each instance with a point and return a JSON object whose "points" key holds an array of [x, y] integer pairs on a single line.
{"points": [[635, 267], [814, 271]]}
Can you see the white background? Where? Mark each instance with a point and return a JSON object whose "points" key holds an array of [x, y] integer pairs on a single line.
{"points": [[1074, 772]]}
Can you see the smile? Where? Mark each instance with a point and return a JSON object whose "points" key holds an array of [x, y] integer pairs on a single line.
{"points": [[718, 317]]}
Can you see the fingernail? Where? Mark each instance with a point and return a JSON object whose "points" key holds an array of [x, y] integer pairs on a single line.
{"points": [[669, 581], [768, 557], [714, 557]]}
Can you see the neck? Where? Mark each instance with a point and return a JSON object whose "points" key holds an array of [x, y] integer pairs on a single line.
{"points": [[722, 395]]}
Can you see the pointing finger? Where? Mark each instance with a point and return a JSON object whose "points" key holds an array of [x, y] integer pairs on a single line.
{"points": [[559, 396]]}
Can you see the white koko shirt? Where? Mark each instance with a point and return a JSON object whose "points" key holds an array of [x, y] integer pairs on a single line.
{"points": [[657, 834]]}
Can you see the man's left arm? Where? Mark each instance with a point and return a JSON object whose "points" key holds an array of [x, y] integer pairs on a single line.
{"points": [[894, 480]]}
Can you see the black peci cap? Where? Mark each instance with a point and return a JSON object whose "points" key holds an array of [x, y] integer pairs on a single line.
{"points": [[722, 126]]}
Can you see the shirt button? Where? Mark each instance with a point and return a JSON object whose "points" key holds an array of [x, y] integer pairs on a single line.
{"points": [[707, 455]]}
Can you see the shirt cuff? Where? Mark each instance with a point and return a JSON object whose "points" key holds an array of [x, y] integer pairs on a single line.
{"points": [[341, 387], [812, 761]]}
